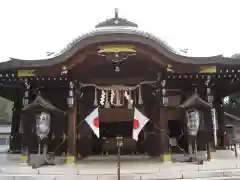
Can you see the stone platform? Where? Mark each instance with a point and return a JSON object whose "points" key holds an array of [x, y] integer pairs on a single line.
{"points": [[132, 168]]}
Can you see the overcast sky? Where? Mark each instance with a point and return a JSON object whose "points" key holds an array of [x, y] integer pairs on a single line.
{"points": [[29, 28]]}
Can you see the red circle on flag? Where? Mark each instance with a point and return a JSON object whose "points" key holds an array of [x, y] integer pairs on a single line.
{"points": [[96, 122], [135, 124]]}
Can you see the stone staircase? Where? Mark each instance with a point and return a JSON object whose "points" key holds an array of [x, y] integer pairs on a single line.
{"points": [[225, 166]]}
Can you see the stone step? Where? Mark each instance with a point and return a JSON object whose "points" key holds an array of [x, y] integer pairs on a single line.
{"points": [[170, 175], [216, 178]]}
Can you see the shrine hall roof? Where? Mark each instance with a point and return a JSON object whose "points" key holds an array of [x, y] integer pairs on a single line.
{"points": [[120, 34], [119, 30]]}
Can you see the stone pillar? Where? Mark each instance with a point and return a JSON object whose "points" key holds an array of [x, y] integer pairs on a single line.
{"points": [[25, 125], [71, 140]]}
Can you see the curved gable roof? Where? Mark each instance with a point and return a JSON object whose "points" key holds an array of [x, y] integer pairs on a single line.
{"points": [[84, 40], [119, 34], [123, 30]]}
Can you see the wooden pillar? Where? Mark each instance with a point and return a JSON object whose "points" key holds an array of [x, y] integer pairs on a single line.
{"points": [[16, 130], [84, 135], [151, 132], [78, 132], [71, 140], [211, 146], [26, 129], [163, 135], [163, 125], [220, 120], [83, 143]]}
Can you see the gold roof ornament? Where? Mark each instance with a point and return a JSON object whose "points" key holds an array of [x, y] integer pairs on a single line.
{"points": [[26, 73], [117, 53], [208, 69], [169, 68], [117, 49]]}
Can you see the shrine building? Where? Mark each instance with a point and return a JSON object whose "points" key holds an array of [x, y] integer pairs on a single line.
{"points": [[117, 67]]}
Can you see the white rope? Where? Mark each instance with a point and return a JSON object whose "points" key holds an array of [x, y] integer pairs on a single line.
{"points": [[102, 98], [107, 105], [112, 96], [128, 98], [120, 87]]}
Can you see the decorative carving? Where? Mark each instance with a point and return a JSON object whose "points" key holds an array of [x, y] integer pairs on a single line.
{"points": [[64, 70], [117, 53], [116, 21], [70, 99], [164, 93]]}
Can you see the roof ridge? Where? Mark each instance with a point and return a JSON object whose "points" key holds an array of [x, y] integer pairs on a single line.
{"points": [[116, 21]]}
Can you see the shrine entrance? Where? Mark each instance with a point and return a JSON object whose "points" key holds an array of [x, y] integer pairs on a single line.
{"points": [[117, 87], [114, 122]]}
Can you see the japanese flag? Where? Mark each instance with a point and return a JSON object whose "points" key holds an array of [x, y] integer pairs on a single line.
{"points": [[93, 121], [138, 123]]}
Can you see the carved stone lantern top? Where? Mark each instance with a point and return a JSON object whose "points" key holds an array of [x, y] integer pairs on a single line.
{"points": [[41, 104]]}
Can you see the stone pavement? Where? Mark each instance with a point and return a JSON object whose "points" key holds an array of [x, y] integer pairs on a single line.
{"points": [[132, 168]]}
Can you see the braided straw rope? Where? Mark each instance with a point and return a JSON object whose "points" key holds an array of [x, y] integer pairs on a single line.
{"points": [[121, 87]]}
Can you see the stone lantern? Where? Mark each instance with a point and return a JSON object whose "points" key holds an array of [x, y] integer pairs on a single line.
{"points": [[36, 118], [198, 116]]}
